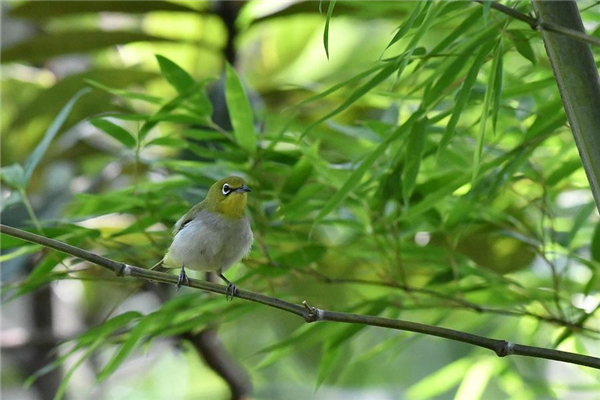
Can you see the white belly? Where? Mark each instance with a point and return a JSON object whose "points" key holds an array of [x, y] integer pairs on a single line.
{"points": [[210, 243]]}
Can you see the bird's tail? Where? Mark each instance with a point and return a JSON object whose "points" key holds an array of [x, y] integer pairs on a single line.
{"points": [[159, 266]]}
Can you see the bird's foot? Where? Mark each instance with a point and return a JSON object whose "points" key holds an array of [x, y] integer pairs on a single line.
{"points": [[182, 278], [231, 291]]}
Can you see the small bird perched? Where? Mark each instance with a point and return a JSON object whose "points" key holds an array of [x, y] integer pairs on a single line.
{"points": [[214, 234]]}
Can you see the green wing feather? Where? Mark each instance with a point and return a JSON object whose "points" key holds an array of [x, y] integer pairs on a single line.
{"points": [[183, 221]]}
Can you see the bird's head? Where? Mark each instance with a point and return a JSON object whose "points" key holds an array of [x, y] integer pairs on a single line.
{"points": [[228, 197]]}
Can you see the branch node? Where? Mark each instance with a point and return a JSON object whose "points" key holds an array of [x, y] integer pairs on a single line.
{"points": [[534, 21], [312, 313], [121, 271], [505, 348]]}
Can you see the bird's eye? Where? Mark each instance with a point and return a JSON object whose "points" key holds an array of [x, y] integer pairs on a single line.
{"points": [[226, 189]]}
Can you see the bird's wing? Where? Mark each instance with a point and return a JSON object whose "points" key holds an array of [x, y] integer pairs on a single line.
{"points": [[189, 216]]}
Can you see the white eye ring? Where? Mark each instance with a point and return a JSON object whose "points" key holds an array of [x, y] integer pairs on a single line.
{"points": [[226, 189]]}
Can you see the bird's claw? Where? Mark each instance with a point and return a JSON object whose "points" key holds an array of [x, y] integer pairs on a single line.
{"points": [[182, 278], [230, 292]]}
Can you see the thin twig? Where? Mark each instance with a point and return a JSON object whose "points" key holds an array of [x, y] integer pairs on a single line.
{"points": [[459, 302], [502, 348], [536, 24]]}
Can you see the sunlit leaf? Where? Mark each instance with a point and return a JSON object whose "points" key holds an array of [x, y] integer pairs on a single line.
{"points": [[240, 111], [174, 74], [37, 154], [114, 130]]}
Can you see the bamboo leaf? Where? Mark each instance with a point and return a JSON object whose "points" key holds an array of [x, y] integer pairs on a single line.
{"points": [[414, 153], [497, 87], [240, 111], [338, 86], [329, 360], [463, 97], [357, 94], [117, 132], [37, 154], [326, 31], [483, 124], [125, 93], [133, 340], [522, 44], [166, 110], [356, 176], [406, 25], [580, 219], [174, 74]]}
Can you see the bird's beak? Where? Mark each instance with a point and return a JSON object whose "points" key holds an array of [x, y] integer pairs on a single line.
{"points": [[243, 189]]}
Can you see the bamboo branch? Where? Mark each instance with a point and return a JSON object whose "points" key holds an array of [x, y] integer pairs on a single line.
{"points": [[537, 24], [502, 348]]}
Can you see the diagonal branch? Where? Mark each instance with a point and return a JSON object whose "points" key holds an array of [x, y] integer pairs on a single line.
{"points": [[536, 24], [502, 348]]}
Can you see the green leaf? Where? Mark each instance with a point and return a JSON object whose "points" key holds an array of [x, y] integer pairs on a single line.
{"points": [[45, 267], [133, 340], [115, 131], [300, 172], [414, 153], [125, 93], [463, 96], [486, 10], [329, 360], [580, 219], [174, 74], [240, 111], [447, 78], [92, 337], [37, 154], [358, 173], [485, 108], [564, 170], [406, 25], [476, 379], [357, 94], [14, 176], [596, 243], [338, 86], [521, 42], [326, 31], [166, 110], [168, 142], [47, 45], [497, 87], [440, 381], [62, 389], [457, 32]]}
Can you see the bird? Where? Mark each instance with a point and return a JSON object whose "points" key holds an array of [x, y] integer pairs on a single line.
{"points": [[213, 235]]}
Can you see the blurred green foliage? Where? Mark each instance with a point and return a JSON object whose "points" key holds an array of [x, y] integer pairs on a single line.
{"points": [[424, 173]]}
